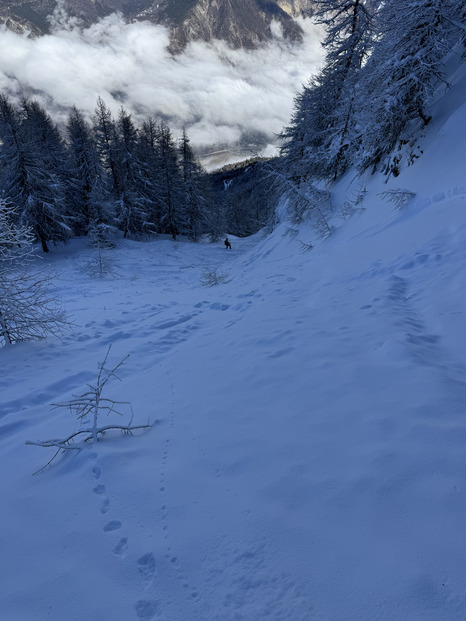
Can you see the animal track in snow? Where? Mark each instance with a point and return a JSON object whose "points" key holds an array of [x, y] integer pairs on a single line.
{"points": [[146, 609], [146, 566], [190, 591], [121, 547], [112, 525]]}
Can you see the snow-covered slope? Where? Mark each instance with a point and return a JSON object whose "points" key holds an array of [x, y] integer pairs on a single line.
{"points": [[307, 456]]}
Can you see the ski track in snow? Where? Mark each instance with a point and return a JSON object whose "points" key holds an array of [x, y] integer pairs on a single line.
{"points": [[424, 347]]}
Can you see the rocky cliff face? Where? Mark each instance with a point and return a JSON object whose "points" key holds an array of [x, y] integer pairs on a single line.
{"points": [[295, 8], [241, 23]]}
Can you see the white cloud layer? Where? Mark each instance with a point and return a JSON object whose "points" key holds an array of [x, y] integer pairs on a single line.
{"points": [[219, 94]]}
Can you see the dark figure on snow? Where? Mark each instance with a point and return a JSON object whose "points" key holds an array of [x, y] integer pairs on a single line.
{"points": [[227, 243]]}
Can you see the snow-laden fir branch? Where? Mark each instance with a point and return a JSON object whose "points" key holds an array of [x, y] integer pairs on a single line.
{"points": [[309, 202], [398, 196]]}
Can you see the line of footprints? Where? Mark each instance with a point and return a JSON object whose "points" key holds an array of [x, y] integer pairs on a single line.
{"points": [[145, 609]]}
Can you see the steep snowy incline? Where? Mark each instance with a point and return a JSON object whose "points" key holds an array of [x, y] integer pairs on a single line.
{"points": [[306, 460]]}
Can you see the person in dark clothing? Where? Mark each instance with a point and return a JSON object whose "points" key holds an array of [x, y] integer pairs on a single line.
{"points": [[227, 243]]}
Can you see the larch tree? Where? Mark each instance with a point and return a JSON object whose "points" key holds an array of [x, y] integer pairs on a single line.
{"points": [[413, 37], [106, 142], [87, 186], [132, 201], [170, 189], [322, 136], [194, 189], [149, 156], [33, 164]]}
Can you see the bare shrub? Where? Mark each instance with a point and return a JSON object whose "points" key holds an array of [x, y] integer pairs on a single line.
{"points": [[28, 309], [101, 264], [213, 276]]}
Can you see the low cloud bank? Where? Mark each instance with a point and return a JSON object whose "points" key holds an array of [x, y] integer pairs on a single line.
{"points": [[223, 97]]}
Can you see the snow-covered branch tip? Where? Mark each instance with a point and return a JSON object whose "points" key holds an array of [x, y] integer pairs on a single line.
{"points": [[305, 246], [87, 407], [398, 196], [304, 203]]}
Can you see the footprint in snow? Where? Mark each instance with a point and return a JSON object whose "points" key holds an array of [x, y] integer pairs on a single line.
{"points": [[146, 566], [121, 547], [146, 609], [219, 306], [112, 525]]}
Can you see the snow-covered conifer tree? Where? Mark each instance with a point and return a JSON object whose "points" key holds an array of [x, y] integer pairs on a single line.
{"points": [[194, 187], [406, 65], [105, 136], [132, 201], [88, 187], [45, 209], [148, 154], [15, 239], [32, 164], [170, 189], [322, 136]]}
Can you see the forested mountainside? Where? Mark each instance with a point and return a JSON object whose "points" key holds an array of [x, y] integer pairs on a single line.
{"points": [[108, 176], [241, 23], [384, 64], [100, 177], [365, 110]]}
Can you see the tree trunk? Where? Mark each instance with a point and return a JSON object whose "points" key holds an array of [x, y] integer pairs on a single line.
{"points": [[425, 118], [4, 330], [43, 242]]}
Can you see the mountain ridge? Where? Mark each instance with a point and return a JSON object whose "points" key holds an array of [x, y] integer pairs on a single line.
{"points": [[242, 24]]}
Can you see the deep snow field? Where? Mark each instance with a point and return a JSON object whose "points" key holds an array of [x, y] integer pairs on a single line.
{"points": [[307, 459]]}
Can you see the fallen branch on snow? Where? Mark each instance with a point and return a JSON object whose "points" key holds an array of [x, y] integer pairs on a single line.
{"points": [[93, 404]]}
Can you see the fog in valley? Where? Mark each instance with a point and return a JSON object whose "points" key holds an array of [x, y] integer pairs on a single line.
{"points": [[232, 102]]}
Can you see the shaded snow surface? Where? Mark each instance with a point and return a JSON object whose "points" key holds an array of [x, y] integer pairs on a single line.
{"points": [[307, 456]]}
